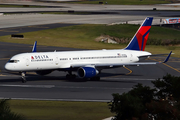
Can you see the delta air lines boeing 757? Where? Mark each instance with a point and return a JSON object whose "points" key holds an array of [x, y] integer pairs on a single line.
{"points": [[87, 63]]}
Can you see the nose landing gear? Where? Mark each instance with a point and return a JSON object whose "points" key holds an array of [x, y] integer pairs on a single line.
{"points": [[23, 76]]}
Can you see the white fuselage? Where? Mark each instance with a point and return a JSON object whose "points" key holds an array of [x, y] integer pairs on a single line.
{"points": [[61, 60]]}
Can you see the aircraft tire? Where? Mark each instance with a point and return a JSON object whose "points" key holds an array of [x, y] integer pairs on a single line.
{"points": [[24, 81]]}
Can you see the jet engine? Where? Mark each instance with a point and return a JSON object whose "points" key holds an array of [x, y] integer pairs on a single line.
{"points": [[43, 72], [87, 72]]}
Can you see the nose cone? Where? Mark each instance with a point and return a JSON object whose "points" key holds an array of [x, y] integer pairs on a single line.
{"points": [[8, 66]]}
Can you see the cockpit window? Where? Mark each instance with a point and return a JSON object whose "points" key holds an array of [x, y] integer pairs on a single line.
{"points": [[13, 61]]}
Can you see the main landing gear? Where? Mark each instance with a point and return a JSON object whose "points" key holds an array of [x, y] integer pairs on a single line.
{"points": [[70, 75], [23, 75]]}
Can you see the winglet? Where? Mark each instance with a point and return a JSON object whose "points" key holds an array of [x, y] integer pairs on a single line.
{"points": [[34, 47], [167, 57]]}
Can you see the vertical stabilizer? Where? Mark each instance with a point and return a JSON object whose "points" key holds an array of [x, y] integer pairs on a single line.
{"points": [[139, 40]]}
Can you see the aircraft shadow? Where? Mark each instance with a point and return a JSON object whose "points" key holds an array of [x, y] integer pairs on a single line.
{"points": [[105, 77]]}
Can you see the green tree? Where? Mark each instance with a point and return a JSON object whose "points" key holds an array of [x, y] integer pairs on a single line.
{"points": [[6, 113], [168, 90], [131, 105], [145, 103], [126, 106], [162, 110], [145, 93], [168, 87]]}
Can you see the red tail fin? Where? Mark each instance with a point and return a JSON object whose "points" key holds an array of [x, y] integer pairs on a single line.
{"points": [[139, 40]]}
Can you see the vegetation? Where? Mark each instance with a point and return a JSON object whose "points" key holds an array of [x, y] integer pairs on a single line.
{"points": [[6, 113], [145, 103], [83, 36], [60, 110]]}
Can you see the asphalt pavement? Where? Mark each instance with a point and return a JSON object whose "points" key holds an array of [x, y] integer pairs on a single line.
{"points": [[54, 86]]}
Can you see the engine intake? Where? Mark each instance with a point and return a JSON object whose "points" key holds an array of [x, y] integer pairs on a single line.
{"points": [[87, 72]]}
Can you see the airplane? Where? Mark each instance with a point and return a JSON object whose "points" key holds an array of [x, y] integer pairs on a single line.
{"points": [[86, 63]]}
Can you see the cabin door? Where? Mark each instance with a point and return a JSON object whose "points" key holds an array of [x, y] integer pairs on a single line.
{"points": [[27, 61], [131, 57], [56, 61]]}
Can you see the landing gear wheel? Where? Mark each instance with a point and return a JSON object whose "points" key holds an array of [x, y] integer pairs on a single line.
{"points": [[24, 80], [23, 75]]}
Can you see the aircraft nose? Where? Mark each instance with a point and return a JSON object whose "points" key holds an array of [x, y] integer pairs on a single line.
{"points": [[8, 66]]}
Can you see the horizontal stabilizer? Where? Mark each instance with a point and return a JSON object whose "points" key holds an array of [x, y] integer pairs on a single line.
{"points": [[147, 56]]}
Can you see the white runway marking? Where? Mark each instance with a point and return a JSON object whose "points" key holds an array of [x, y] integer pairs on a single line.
{"points": [[53, 86]]}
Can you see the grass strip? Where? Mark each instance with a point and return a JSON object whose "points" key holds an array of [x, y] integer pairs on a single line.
{"points": [[83, 36], [60, 110], [125, 2]]}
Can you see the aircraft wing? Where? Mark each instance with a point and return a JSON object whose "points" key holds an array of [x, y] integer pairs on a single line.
{"points": [[107, 65], [147, 56]]}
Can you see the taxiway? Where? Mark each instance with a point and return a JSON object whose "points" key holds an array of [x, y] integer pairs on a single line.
{"points": [[54, 86]]}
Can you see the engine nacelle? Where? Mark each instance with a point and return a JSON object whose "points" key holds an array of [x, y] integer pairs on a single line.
{"points": [[43, 72], [87, 72]]}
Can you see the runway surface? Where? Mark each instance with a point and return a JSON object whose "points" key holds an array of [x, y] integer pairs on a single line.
{"points": [[82, 14], [55, 87]]}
